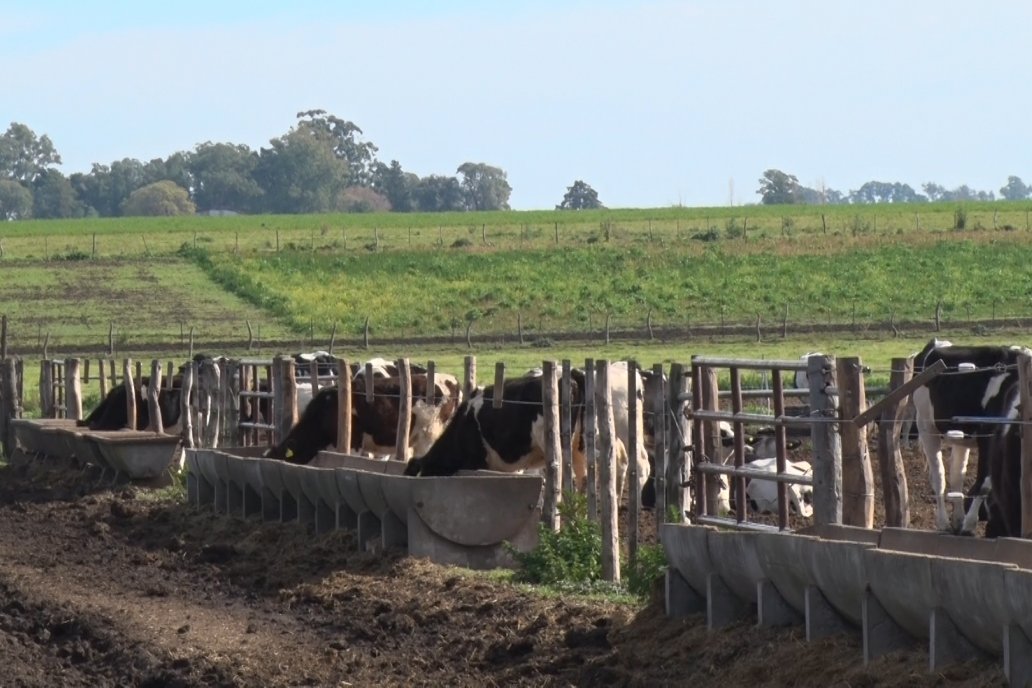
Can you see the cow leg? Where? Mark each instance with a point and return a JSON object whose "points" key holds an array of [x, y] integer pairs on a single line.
{"points": [[932, 446], [959, 456], [971, 517]]}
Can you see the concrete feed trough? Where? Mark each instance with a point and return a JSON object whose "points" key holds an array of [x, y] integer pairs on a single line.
{"points": [[733, 556], [782, 561], [140, 455], [687, 550], [974, 594], [902, 583], [27, 432], [838, 569], [347, 483]]}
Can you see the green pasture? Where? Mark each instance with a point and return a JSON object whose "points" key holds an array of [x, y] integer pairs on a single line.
{"points": [[857, 285], [359, 234], [295, 279]]}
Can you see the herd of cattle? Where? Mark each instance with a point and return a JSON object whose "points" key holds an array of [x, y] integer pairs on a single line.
{"points": [[451, 432]]}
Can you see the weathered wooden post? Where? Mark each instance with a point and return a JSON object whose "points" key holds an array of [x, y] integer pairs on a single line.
{"points": [[10, 404], [827, 444], [73, 387], [3, 336], [46, 389], [102, 378], [677, 440], [565, 425], [590, 435], [157, 423], [499, 385], [285, 390], [659, 450], [231, 403], [469, 376], [553, 450], [130, 394], [633, 489], [1025, 380], [401, 450], [707, 440], [431, 382], [607, 473], [369, 390], [185, 407], [737, 483], [857, 476], [212, 375], [895, 495], [344, 406]]}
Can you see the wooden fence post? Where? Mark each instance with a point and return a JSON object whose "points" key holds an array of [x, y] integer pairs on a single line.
{"points": [[431, 382], [73, 387], [130, 394], [607, 473], [1025, 378], [231, 428], [857, 476], [633, 490], [499, 385], [157, 423], [708, 444], [469, 376], [827, 445], [677, 441], [553, 450], [285, 390], [102, 378], [401, 450], [3, 336], [590, 437], [185, 408], [659, 450], [343, 406], [566, 425], [46, 389], [10, 404], [895, 496]]}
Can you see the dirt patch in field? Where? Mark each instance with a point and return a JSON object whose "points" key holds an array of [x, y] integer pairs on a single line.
{"points": [[106, 587]]}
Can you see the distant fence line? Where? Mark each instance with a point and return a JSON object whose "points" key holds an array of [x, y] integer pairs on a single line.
{"points": [[610, 329]]}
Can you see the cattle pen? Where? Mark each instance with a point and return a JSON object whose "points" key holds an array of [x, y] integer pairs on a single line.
{"points": [[838, 574]]}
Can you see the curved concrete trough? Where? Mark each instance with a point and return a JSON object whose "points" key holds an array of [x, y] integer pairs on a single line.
{"points": [[138, 454], [27, 433], [465, 520]]}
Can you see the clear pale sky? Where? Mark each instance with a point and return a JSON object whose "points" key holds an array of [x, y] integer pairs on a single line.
{"points": [[652, 103]]}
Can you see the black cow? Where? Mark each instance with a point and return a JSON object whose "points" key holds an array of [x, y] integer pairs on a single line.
{"points": [[112, 412], [973, 385], [1004, 482], [374, 425], [509, 438]]}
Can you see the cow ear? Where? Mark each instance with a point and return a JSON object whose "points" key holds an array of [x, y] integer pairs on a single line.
{"points": [[290, 453]]}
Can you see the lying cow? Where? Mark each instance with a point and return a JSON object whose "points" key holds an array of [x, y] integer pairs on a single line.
{"points": [[973, 385], [509, 438], [762, 495], [374, 425]]}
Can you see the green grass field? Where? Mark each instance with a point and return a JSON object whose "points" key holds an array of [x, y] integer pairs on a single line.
{"points": [[428, 275]]}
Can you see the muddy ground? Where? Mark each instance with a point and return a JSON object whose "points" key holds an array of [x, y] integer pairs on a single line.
{"points": [[105, 588]]}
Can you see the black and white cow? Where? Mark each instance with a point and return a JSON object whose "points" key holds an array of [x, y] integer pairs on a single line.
{"points": [[374, 425], [973, 385], [1003, 483], [509, 438]]}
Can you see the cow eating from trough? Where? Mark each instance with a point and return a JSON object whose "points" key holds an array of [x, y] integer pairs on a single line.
{"points": [[972, 386], [112, 412], [509, 438], [374, 425]]}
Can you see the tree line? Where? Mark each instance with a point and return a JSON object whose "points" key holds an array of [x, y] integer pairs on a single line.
{"points": [[778, 188], [322, 164]]}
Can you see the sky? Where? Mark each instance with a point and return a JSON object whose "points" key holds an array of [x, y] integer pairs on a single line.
{"points": [[653, 103]]}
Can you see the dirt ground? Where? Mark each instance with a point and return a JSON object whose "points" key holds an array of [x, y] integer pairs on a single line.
{"points": [[115, 588]]}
